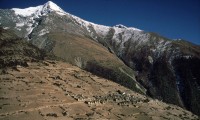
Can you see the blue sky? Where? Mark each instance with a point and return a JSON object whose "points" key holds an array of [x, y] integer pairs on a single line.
{"points": [[170, 18]]}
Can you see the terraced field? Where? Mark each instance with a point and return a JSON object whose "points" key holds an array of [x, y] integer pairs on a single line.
{"points": [[55, 90]]}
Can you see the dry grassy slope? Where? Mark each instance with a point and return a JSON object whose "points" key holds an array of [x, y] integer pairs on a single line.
{"points": [[89, 55], [53, 90], [70, 47]]}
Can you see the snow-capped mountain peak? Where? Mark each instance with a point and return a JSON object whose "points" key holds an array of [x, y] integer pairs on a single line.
{"points": [[38, 10], [50, 6]]}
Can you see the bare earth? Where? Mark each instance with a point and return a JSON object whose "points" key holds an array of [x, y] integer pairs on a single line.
{"points": [[57, 90]]}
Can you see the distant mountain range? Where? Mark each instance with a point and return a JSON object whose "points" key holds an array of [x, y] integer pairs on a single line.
{"points": [[148, 63]]}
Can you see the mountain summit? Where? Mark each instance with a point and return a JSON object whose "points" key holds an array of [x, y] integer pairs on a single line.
{"points": [[142, 61], [39, 10], [52, 6]]}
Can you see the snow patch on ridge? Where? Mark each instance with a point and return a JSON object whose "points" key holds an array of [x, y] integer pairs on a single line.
{"points": [[43, 32], [100, 29], [120, 26], [19, 24], [27, 11], [6, 28]]}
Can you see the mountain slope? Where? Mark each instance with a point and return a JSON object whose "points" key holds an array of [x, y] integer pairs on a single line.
{"points": [[57, 90], [60, 35], [35, 87], [167, 69], [16, 51]]}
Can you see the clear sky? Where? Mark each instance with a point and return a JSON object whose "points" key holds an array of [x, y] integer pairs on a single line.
{"points": [[170, 18]]}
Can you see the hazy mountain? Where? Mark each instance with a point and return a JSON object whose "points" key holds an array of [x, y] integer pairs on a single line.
{"points": [[145, 62]]}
